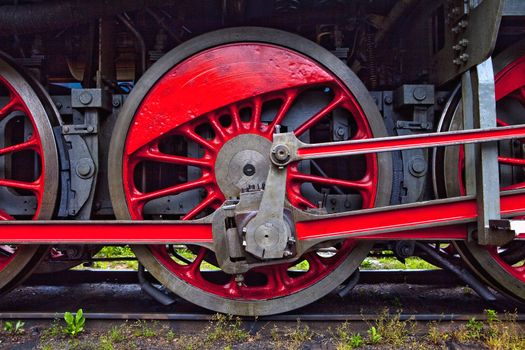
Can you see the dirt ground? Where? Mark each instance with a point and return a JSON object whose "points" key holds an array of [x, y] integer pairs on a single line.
{"points": [[225, 332]]}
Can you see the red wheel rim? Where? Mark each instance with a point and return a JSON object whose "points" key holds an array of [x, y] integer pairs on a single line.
{"points": [[30, 143], [199, 92], [509, 83]]}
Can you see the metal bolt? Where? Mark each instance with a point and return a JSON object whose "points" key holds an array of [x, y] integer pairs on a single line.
{"points": [[456, 61], [248, 170], [65, 129], [287, 253], [239, 279], [419, 94], [116, 102], [463, 42], [340, 132], [85, 98], [281, 153], [418, 166], [84, 168], [90, 129], [388, 100], [464, 57], [58, 105]]}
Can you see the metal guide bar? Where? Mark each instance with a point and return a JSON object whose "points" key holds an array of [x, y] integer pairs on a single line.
{"points": [[401, 143]]}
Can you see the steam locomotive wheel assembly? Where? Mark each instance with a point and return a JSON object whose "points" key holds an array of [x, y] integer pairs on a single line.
{"points": [[210, 97], [254, 153], [29, 168], [501, 267]]}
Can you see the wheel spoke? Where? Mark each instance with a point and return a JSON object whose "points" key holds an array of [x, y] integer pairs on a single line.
{"points": [[256, 114], [511, 161], [21, 185], [206, 203], [299, 201], [217, 128], [5, 216], [192, 135], [145, 197], [315, 263], [9, 107], [30, 144], [157, 156], [236, 118], [363, 185], [283, 110], [319, 115], [193, 269]]}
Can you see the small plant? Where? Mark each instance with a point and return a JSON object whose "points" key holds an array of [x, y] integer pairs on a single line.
{"points": [[348, 340], [75, 324], [492, 316], [116, 335], [373, 335], [56, 330], [474, 328], [435, 335], [226, 328], [14, 328], [393, 331], [300, 333], [105, 343], [170, 335], [355, 341]]}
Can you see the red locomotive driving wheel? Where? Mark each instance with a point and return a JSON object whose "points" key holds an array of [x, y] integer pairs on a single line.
{"points": [[200, 124], [28, 168], [502, 267]]}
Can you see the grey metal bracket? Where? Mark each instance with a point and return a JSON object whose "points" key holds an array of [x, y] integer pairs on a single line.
{"points": [[91, 98], [82, 170], [479, 111], [83, 129], [514, 227], [469, 37]]}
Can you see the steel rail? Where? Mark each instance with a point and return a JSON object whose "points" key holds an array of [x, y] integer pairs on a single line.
{"points": [[323, 317]]}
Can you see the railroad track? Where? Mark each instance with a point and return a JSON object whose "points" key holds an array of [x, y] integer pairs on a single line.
{"points": [[116, 295]]}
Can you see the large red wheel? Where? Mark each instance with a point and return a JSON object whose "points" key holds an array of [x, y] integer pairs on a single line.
{"points": [[501, 267], [200, 123], [28, 167]]}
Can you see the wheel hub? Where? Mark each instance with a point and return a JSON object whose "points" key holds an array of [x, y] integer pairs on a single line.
{"points": [[243, 162]]}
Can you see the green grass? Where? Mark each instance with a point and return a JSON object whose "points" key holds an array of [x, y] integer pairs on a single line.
{"points": [[392, 263], [370, 263], [115, 252]]}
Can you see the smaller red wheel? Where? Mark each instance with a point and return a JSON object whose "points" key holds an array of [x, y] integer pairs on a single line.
{"points": [[501, 267], [28, 166]]}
